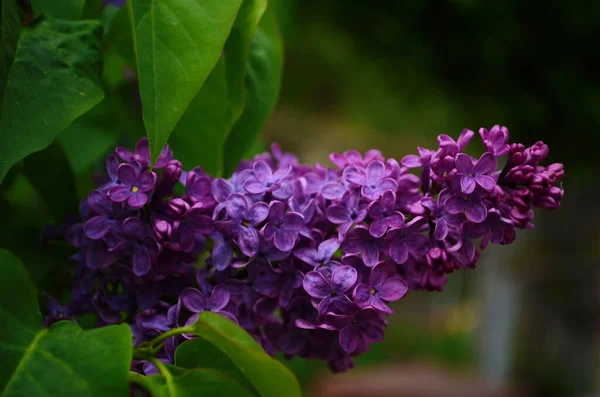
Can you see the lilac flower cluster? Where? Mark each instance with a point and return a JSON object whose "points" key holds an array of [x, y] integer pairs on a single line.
{"points": [[306, 259]]}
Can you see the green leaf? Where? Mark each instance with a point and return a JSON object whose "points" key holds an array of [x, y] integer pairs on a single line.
{"points": [[199, 353], [199, 137], [119, 35], [177, 43], [61, 361], [62, 9], [51, 80], [50, 174], [262, 89], [179, 382], [269, 376]]}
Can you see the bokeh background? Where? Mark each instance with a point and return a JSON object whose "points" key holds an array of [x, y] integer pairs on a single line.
{"points": [[392, 75]]}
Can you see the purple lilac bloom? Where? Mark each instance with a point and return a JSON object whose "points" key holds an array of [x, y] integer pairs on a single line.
{"points": [[262, 248]]}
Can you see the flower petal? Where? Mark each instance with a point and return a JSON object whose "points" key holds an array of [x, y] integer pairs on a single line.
{"points": [[128, 174], [464, 164], [411, 161], [97, 227], [137, 200], [476, 212], [99, 202], [455, 205], [119, 193], [370, 255], [333, 191], [219, 298], [371, 333], [399, 251], [236, 206], [193, 300], [467, 184], [338, 214], [257, 213], [392, 289], [141, 261], [348, 338], [486, 164], [249, 241], [343, 278], [221, 189], [485, 182], [362, 296], [254, 186], [378, 227], [262, 171], [284, 240], [281, 173], [147, 180], [292, 221], [375, 171], [316, 285]]}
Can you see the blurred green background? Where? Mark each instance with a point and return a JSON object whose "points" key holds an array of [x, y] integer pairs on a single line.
{"points": [[392, 75]]}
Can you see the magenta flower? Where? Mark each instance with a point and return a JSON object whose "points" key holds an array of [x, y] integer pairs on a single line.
{"points": [[330, 293], [380, 289], [282, 228], [473, 174], [134, 186], [449, 146], [373, 182], [495, 140]]}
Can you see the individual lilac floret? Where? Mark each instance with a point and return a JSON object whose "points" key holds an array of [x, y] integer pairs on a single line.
{"points": [[358, 330], [449, 146], [444, 221], [264, 179], [282, 228], [360, 241], [245, 216], [384, 214], [108, 216], [373, 182], [320, 256], [473, 174], [196, 302], [407, 240], [142, 154], [347, 215], [134, 186], [137, 242], [331, 293], [380, 289], [495, 140], [470, 204]]}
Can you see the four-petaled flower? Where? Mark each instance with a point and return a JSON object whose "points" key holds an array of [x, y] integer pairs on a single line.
{"points": [[196, 302], [330, 293], [381, 288], [133, 187], [473, 174], [373, 182], [244, 217], [282, 228], [264, 179]]}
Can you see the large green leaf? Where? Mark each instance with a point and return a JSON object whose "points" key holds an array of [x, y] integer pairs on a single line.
{"points": [[199, 137], [61, 361], [177, 43], [199, 353], [269, 376], [262, 90], [50, 81], [50, 174], [61, 9], [179, 382], [119, 35]]}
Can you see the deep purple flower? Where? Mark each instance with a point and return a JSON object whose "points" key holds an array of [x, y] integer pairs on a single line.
{"points": [[475, 174], [134, 186], [142, 154], [380, 289], [139, 243], [347, 215], [264, 179], [192, 225], [108, 213], [319, 256], [244, 216], [495, 140], [112, 179], [282, 228], [324, 181], [373, 181], [495, 228], [57, 312], [358, 330], [407, 240], [330, 293], [199, 189], [443, 220], [449, 146], [384, 214], [196, 302], [361, 241], [470, 204]]}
